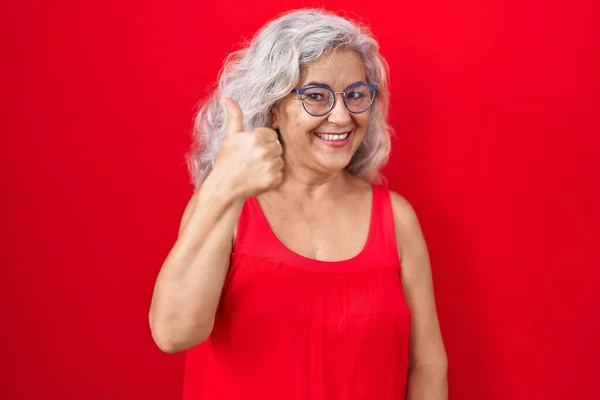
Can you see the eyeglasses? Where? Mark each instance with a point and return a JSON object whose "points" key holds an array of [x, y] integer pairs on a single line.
{"points": [[319, 100]]}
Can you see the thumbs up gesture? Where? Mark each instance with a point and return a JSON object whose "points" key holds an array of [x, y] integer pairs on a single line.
{"points": [[251, 162]]}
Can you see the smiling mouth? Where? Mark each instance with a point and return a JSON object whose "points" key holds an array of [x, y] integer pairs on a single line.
{"points": [[334, 137]]}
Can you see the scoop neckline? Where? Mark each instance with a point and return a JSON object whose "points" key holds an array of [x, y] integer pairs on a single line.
{"points": [[324, 262]]}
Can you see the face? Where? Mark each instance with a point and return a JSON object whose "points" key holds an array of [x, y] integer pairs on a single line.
{"points": [[314, 142]]}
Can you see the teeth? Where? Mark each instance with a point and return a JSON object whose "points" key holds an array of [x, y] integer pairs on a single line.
{"points": [[332, 137]]}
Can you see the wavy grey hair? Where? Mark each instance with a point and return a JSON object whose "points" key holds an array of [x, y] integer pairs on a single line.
{"points": [[266, 70]]}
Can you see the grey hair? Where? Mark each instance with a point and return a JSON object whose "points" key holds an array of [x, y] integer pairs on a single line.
{"points": [[265, 71]]}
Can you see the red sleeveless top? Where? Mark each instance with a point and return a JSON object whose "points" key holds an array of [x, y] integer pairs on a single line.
{"points": [[290, 327]]}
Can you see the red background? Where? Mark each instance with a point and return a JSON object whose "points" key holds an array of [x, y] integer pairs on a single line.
{"points": [[495, 108]]}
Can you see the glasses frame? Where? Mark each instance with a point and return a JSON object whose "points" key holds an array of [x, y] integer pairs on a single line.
{"points": [[374, 88]]}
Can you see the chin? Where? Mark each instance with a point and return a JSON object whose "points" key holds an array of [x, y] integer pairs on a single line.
{"points": [[334, 164]]}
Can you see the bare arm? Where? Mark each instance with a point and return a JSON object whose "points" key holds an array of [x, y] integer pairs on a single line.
{"points": [[188, 287], [428, 361]]}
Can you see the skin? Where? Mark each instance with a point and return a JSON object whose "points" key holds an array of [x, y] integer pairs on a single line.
{"points": [[308, 215], [316, 209], [307, 158]]}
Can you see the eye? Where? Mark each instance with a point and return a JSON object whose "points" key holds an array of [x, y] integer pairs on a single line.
{"points": [[314, 96], [355, 95]]}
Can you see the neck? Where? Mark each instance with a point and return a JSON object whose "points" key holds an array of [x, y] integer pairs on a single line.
{"points": [[312, 184]]}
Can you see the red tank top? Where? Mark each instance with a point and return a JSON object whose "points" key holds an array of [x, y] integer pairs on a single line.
{"points": [[290, 327]]}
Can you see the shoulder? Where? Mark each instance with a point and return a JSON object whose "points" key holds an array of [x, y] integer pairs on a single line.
{"points": [[404, 213], [409, 236]]}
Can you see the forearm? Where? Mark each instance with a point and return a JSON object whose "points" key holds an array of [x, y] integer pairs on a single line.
{"points": [[190, 282], [427, 382]]}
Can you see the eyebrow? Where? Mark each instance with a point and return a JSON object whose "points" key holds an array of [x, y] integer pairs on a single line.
{"points": [[315, 83]]}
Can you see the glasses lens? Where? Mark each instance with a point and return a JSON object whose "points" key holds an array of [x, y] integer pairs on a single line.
{"points": [[317, 101], [359, 98]]}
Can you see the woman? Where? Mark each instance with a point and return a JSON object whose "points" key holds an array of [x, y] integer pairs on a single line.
{"points": [[296, 275]]}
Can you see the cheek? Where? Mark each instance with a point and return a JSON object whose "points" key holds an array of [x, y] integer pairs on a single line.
{"points": [[363, 119], [362, 128], [301, 122], [361, 122]]}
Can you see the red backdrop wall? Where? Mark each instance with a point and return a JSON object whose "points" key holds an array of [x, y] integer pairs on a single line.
{"points": [[495, 108]]}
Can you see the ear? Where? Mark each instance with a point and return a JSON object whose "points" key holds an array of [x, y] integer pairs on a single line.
{"points": [[274, 117], [276, 114]]}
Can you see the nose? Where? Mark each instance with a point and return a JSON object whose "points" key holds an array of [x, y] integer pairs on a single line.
{"points": [[339, 114]]}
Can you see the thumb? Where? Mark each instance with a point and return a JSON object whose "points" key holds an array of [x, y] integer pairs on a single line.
{"points": [[235, 116]]}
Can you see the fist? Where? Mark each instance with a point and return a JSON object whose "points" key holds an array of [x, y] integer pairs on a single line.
{"points": [[250, 161]]}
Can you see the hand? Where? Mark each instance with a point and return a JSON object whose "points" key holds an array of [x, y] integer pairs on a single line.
{"points": [[251, 162]]}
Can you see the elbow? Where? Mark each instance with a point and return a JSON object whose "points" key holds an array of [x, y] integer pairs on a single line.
{"points": [[169, 346], [173, 341]]}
